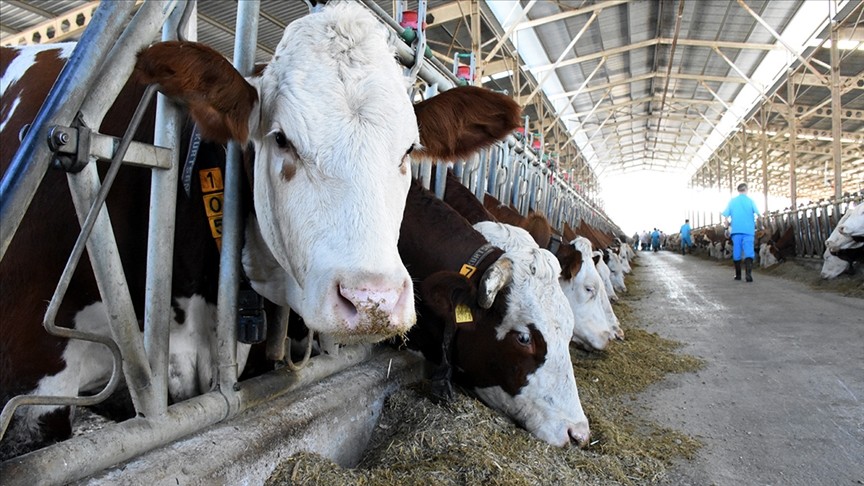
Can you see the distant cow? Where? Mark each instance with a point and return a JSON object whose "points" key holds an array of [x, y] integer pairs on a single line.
{"points": [[778, 248], [491, 320], [595, 323], [333, 141]]}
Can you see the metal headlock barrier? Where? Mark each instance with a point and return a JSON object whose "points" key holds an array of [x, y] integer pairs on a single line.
{"points": [[812, 223], [99, 67]]}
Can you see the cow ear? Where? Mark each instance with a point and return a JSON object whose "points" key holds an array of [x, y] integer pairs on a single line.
{"points": [[571, 263], [463, 120], [443, 292], [218, 97]]}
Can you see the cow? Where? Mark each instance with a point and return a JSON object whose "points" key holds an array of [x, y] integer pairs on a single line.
{"points": [[778, 248], [853, 225], [847, 233], [593, 327], [841, 261], [616, 269], [332, 142], [491, 320], [599, 258]]}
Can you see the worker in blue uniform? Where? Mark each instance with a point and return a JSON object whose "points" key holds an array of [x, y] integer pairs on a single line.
{"points": [[742, 210], [655, 240], [686, 242]]}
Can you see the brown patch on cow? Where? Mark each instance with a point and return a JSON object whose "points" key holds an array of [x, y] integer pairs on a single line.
{"points": [[538, 227], [7, 55], [570, 260], [502, 212], [463, 200], [479, 358], [462, 120], [218, 97], [288, 171]]}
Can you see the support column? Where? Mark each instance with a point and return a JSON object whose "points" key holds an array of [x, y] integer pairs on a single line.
{"points": [[836, 123], [793, 182], [763, 139]]}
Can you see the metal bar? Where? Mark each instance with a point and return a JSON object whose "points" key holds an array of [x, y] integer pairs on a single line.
{"points": [[561, 58], [509, 31], [789, 48], [764, 142], [836, 106], [741, 73], [229, 262], [576, 93], [32, 159], [671, 62], [88, 196], [160, 236], [80, 457]]}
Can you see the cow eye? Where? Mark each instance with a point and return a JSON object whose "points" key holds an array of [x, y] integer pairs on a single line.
{"points": [[281, 140], [524, 338], [407, 157]]}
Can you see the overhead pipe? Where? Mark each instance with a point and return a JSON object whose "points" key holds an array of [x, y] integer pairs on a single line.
{"points": [[669, 67]]}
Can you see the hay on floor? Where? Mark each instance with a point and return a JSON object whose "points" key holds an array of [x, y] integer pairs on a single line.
{"points": [[420, 442]]}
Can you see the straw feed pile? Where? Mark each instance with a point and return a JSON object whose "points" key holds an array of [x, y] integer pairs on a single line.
{"points": [[420, 442]]}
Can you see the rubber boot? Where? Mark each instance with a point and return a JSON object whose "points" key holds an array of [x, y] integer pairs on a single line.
{"points": [[748, 267], [737, 269]]}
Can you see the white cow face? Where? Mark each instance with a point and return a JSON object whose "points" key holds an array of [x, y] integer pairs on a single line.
{"points": [[766, 258], [588, 299], [616, 270], [332, 127], [832, 266], [332, 172], [848, 226], [605, 274], [548, 405]]}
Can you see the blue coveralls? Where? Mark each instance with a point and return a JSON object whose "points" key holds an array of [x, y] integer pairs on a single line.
{"points": [[743, 230], [655, 240], [686, 242]]}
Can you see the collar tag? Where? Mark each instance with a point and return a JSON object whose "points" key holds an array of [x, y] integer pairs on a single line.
{"points": [[463, 314], [467, 270]]}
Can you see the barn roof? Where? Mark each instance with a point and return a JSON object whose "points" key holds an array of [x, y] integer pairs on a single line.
{"points": [[694, 88]]}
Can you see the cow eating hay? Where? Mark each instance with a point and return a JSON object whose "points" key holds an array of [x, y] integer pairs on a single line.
{"points": [[419, 442]]}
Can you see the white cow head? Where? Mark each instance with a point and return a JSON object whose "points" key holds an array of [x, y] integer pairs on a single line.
{"points": [[851, 224], [332, 129], [605, 274], [596, 324], [766, 257], [832, 265], [616, 270], [548, 406]]}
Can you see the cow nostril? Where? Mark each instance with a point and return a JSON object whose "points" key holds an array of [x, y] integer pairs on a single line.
{"points": [[345, 302], [578, 436]]}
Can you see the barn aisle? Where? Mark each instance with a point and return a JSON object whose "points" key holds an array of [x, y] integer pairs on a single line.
{"points": [[781, 398]]}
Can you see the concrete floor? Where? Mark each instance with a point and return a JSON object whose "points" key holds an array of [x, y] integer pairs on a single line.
{"points": [[781, 399]]}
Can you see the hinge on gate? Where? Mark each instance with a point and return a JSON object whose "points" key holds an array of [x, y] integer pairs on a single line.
{"points": [[74, 146]]}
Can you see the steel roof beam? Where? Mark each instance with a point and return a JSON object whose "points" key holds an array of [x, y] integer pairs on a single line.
{"points": [[564, 53], [572, 13], [447, 12], [509, 31], [651, 42]]}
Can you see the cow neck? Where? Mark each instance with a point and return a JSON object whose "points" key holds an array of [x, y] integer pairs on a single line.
{"points": [[434, 237]]}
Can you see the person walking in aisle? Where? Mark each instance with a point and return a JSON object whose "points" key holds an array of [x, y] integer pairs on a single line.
{"points": [[742, 210], [686, 242]]}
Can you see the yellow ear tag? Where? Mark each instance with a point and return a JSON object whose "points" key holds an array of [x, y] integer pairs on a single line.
{"points": [[463, 314]]}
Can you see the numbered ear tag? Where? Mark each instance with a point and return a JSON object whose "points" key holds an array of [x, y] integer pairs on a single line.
{"points": [[463, 314]]}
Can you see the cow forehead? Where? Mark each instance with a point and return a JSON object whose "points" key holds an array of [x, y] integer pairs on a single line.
{"points": [[335, 70]]}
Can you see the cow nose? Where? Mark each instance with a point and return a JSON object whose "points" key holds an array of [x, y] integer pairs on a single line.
{"points": [[380, 306], [580, 434], [613, 298], [619, 333]]}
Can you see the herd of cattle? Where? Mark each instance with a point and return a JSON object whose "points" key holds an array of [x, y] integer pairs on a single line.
{"points": [[843, 248], [335, 229]]}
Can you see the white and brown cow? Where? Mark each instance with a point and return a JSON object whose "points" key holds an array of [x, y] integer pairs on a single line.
{"points": [[332, 140], [494, 320], [593, 328]]}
